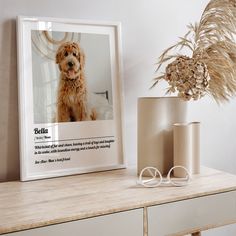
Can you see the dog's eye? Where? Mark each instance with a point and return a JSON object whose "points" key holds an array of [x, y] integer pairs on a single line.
{"points": [[66, 54], [74, 54]]}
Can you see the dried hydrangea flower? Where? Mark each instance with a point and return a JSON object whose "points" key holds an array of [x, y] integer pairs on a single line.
{"points": [[188, 76]]}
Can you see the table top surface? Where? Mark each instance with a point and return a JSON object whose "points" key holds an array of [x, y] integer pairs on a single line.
{"points": [[26, 205]]}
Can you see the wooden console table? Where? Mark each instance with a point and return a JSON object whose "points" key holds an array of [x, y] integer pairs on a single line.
{"points": [[110, 203]]}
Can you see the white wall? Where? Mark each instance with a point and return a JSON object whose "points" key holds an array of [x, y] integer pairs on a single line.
{"points": [[148, 28]]}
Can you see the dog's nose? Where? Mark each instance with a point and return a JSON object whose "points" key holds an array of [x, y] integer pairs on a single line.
{"points": [[70, 64]]}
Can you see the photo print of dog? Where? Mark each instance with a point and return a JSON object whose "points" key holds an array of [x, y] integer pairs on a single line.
{"points": [[72, 104]]}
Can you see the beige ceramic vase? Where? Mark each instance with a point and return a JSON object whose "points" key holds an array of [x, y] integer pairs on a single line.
{"points": [[156, 116], [187, 148]]}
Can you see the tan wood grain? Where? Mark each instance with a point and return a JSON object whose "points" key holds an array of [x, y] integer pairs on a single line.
{"points": [[26, 205]]}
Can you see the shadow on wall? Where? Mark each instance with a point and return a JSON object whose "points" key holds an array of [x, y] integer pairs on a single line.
{"points": [[9, 137]]}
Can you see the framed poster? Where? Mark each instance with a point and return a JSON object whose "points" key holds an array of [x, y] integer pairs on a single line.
{"points": [[70, 97]]}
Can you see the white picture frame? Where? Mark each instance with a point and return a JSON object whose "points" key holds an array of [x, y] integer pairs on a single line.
{"points": [[61, 134]]}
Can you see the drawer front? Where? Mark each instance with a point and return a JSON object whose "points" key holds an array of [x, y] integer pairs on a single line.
{"points": [[128, 223], [182, 217]]}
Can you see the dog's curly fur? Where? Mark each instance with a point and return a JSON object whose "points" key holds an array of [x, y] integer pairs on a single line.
{"points": [[72, 91]]}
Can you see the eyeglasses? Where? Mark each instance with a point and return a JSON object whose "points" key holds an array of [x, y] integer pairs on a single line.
{"points": [[156, 178]]}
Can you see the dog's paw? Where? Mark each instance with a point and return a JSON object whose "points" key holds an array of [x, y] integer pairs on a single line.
{"points": [[93, 115]]}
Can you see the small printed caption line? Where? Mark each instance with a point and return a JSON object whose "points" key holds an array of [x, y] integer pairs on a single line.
{"points": [[64, 140]]}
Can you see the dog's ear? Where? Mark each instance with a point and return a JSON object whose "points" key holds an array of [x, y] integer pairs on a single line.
{"points": [[59, 55], [82, 58]]}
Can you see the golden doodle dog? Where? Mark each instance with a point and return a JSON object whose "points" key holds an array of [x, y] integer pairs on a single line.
{"points": [[72, 102]]}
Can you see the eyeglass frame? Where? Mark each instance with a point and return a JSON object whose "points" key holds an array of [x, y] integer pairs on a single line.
{"points": [[166, 181]]}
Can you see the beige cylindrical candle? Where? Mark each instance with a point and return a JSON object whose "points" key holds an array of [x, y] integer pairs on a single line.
{"points": [[182, 148], [155, 132], [196, 147]]}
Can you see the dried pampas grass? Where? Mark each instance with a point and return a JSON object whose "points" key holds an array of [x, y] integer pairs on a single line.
{"points": [[211, 68]]}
